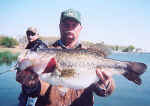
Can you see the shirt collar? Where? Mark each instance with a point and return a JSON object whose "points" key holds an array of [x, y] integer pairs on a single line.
{"points": [[64, 47]]}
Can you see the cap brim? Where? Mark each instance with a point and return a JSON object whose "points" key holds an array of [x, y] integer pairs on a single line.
{"points": [[71, 18]]}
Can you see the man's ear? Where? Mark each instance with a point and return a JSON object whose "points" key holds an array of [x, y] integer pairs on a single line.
{"points": [[38, 35], [81, 27], [60, 29], [59, 25]]}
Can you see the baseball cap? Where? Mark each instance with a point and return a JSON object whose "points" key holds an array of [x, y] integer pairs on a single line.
{"points": [[71, 13], [32, 29]]}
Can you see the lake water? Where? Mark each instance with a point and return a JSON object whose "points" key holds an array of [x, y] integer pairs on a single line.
{"points": [[125, 94]]}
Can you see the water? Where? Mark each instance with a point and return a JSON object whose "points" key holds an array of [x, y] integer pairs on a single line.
{"points": [[125, 94], [9, 88]]}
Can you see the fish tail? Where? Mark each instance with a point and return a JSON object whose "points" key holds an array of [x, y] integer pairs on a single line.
{"points": [[134, 71]]}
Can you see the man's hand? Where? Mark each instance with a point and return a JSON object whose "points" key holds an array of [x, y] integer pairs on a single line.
{"points": [[104, 78], [27, 77], [105, 85]]}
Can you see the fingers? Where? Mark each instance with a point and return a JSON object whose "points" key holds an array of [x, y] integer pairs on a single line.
{"points": [[99, 74], [105, 75], [102, 74]]}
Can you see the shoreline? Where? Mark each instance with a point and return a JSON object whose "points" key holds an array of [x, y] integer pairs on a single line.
{"points": [[19, 50], [12, 50], [131, 52]]}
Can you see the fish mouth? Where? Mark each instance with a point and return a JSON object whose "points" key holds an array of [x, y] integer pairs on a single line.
{"points": [[24, 64], [26, 74]]}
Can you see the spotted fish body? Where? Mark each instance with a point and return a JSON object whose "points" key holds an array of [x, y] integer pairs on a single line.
{"points": [[76, 68]]}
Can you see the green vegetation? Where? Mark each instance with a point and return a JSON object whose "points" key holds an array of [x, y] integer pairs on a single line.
{"points": [[8, 41], [7, 57], [129, 48]]}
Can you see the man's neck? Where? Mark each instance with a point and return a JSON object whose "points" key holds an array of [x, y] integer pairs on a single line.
{"points": [[71, 45], [34, 41]]}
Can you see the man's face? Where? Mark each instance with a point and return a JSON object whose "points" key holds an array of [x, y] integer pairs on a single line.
{"points": [[70, 30], [31, 36]]}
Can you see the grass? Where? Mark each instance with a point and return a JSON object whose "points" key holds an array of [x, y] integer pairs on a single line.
{"points": [[12, 50], [8, 55]]}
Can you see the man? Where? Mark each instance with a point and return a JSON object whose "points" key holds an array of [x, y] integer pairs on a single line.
{"points": [[49, 95], [34, 43], [70, 27], [33, 38]]}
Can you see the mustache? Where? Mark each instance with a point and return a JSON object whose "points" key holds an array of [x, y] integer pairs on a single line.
{"points": [[69, 32], [65, 38]]}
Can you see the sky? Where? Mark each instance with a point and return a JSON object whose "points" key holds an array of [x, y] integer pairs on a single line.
{"points": [[116, 22]]}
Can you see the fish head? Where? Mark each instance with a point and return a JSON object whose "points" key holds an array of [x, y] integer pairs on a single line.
{"points": [[25, 74], [39, 60], [32, 69]]}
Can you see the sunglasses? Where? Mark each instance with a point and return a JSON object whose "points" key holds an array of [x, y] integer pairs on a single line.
{"points": [[30, 33]]}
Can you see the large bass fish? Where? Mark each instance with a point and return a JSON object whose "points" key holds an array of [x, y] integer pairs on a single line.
{"points": [[76, 68]]}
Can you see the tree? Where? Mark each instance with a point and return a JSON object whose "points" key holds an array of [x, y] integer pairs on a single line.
{"points": [[8, 41], [129, 49]]}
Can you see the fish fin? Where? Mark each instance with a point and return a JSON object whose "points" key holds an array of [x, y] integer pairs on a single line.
{"points": [[134, 77], [100, 49], [134, 70], [137, 67], [50, 66]]}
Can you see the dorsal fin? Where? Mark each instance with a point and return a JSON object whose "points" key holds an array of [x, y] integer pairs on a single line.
{"points": [[100, 49]]}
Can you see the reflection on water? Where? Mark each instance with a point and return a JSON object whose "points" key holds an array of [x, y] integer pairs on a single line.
{"points": [[7, 57]]}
